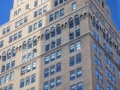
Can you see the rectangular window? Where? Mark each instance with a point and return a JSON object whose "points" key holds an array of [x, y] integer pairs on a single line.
{"points": [[47, 47], [97, 74], [72, 87], [58, 54], [13, 64], [52, 56], [40, 11], [35, 26], [78, 58], [52, 70], [16, 24], [24, 58], [5, 88], [25, 19], [40, 24], [2, 80], [46, 72], [23, 70], [56, 15], [73, 6], [77, 32], [79, 86], [52, 83], [51, 17], [72, 75], [6, 78], [10, 87], [8, 66], [10, 39], [29, 55], [45, 9], [71, 48], [71, 60], [1, 43], [27, 80], [33, 78], [47, 59], [27, 6], [78, 47], [58, 80], [55, 3], [60, 1], [15, 36], [33, 65], [35, 14], [3, 69], [79, 72], [4, 31], [58, 67], [28, 68], [19, 34], [71, 35], [35, 3], [58, 41], [46, 85], [101, 77], [62, 12], [30, 29], [21, 21], [11, 75], [21, 83]]}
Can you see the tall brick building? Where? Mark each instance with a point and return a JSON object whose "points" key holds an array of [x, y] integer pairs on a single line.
{"points": [[59, 45]]}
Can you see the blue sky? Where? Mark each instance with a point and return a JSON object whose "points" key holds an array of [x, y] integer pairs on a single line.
{"points": [[6, 6]]}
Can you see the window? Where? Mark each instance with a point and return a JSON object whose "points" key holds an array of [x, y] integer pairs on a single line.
{"points": [[52, 32], [71, 48], [71, 23], [97, 74], [35, 14], [11, 75], [27, 6], [27, 80], [2, 80], [52, 56], [78, 58], [21, 21], [55, 3], [58, 41], [58, 54], [34, 41], [25, 45], [77, 32], [30, 29], [77, 21], [79, 86], [47, 47], [52, 44], [71, 35], [78, 47], [16, 24], [46, 85], [34, 53], [5, 88], [23, 70], [10, 39], [29, 43], [56, 15], [35, 26], [9, 54], [46, 59], [58, 80], [33, 78], [39, 23], [101, 77], [46, 72], [19, 11], [4, 31], [44, 8], [79, 72], [13, 64], [24, 58], [35, 3], [33, 88], [3, 69], [13, 51], [58, 29], [25, 19], [73, 6], [1, 43], [22, 83], [52, 83], [4, 56], [71, 60], [8, 66], [47, 35], [10, 87], [72, 75], [60, 1], [28, 68], [19, 34], [29, 56], [72, 87], [51, 17], [6, 78], [40, 11], [52, 70], [62, 12], [58, 67], [33, 65]]}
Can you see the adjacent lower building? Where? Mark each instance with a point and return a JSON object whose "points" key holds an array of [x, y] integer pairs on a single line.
{"points": [[59, 45]]}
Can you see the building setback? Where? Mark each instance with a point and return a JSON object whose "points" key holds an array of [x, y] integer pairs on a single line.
{"points": [[59, 45]]}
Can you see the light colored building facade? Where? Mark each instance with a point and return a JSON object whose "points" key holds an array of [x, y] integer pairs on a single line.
{"points": [[59, 45]]}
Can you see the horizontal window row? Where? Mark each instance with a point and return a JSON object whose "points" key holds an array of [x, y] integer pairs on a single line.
{"points": [[6, 30], [98, 62], [6, 78], [9, 54], [110, 75], [52, 69], [52, 57], [97, 48], [75, 73], [72, 35], [56, 15], [99, 76], [78, 86], [8, 66], [10, 87], [35, 26], [28, 68], [75, 60], [109, 62], [26, 81], [53, 44], [21, 21], [15, 36], [74, 46], [1, 43], [51, 84], [98, 87], [29, 56]]}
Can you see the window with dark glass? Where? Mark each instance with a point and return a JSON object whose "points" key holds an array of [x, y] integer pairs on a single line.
{"points": [[8, 66], [47, 47], [79, 86], [71, 61], [35, 3], [33, 78], [9, 54], [58, 41], [10, 39], [62, 12], [56, 15], [19, 34], [71, 48], [52, 44], [77, 32], [79, 72], [13, 64], [58, 29], [73, 87], [29, 44], [78, 58], [55, 3], [58, 80], [71, 23], [27, 80], [23, 70], [46, 72], [47, 59], [58, 54], [39, 23], [35, 14], [47, 35], [77, 21], [30, 29], [4, 56], [58, 67], [52, 32], [46, 85], [22, 83], [52, 83], [52, 70], [71, 35], [13, 52], [51, 17], [72, 75], [52, 57]]}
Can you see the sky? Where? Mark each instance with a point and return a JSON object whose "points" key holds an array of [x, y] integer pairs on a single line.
{"points": [[6, 7]]}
